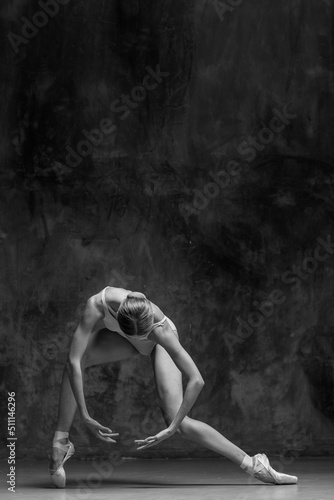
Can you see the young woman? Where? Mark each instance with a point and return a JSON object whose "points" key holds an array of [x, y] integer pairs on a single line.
{"points": [[115, 325]]}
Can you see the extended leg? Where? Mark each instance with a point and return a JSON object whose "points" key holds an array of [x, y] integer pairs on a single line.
{"points": [[169, 387]]}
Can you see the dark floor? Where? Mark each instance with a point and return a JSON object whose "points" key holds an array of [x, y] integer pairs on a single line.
{"points": [[214, 479]]}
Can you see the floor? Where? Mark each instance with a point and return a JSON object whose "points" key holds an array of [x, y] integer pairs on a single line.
{"points": [[214, 479]]}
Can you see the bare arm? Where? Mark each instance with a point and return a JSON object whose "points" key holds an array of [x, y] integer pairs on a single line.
{"points": [[187, 366], [77, 350], [78, 347], [167, 339]]}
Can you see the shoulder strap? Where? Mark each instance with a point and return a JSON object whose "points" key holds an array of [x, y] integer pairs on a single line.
{"points": [[159, 323], [104, 297]]}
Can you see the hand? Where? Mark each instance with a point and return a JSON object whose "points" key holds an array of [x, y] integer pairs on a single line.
{"points": [[103, 433], [153, 440]]}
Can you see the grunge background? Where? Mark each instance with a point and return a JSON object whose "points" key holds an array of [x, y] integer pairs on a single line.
{"points": [[184, 150]]}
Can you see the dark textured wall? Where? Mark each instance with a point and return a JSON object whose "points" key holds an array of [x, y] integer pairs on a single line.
{"points": [[211, 190]]}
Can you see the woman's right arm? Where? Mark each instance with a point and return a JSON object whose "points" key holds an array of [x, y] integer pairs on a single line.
{"points": [[78, 347]]}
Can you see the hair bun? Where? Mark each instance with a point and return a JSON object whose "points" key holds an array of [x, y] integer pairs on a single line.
{"points": [[135, 295]]}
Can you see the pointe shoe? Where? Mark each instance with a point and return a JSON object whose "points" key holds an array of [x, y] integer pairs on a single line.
{"points": [[263, 471], [58, 476]]}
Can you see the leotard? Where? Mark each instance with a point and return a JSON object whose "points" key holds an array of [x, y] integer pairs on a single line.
{"points": [[143, 344]]}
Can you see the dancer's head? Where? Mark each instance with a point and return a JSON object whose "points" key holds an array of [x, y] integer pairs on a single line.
{"points": [[135, 315]]}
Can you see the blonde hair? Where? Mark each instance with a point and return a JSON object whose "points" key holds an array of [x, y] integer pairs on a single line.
{"points": [[135, 314]]}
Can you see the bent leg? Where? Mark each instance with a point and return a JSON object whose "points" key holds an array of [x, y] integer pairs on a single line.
{"points": [[170, 393], [104, 346]]}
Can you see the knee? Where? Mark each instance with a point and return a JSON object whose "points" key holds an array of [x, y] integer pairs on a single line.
{"points": [[185, 429]]}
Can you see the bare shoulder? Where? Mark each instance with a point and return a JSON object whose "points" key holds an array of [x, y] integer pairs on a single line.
{"points": [[158, 314], [94, 303], [165, 335], [92, 312], [115, 295]]}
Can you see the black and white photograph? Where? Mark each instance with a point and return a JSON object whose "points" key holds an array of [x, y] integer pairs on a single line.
{"points": [[167, 249]]}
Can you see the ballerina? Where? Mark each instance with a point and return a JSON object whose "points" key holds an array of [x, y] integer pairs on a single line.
{"points": [[117, 324]]}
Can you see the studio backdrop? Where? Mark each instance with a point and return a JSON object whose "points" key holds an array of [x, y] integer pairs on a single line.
{"points": [[183, 149]]}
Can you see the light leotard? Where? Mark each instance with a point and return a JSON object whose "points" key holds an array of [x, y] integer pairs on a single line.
{"points": [[142, 344]]}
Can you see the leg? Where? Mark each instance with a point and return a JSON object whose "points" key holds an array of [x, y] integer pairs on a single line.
{"points": [[104, 346], [169, 387]]}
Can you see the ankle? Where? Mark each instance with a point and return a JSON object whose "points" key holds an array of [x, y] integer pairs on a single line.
{"points": [[60, 437], [247, 462], [63, 441]]}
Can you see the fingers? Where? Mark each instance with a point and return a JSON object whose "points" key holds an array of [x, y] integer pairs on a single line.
{"points": [[103, 433], [149, 438], [105, 430], [141, 441], [106, 435], [150, 441], [148, 445], [109, 433], [105, 438]]}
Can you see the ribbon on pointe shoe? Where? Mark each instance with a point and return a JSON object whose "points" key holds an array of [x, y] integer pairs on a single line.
{"points": [[58, 476], [263, 471]]}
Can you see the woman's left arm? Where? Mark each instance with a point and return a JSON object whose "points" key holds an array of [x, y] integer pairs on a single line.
{"points": [[195, 383], [187, 366]]}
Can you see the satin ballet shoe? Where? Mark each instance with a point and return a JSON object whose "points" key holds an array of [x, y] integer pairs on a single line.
{"points": [[263, 471], [58, 476]]}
